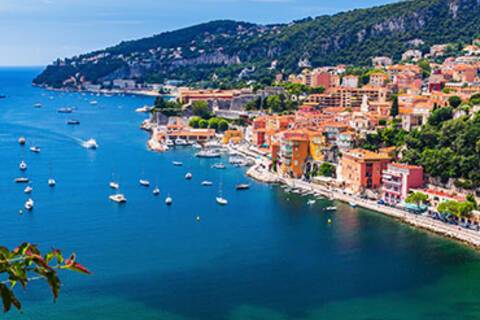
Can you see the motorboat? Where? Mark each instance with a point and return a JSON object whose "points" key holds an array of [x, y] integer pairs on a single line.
{"points": [[22, 141], [197, 146], [29, 205], [35, 149], [218, 166], [207, 183], [168, 201], [52, 182], [353, 204], [118, 198], [169, 143], [208, 154], [144, 182], [22, 180], [144, 109], [243, 186], [90, 144], [93, 102], [65, 110], [222, 201], [28, 190], [177, 163], [22, 166], [156, 191], [114, 185], [188, 176], [330, 209], [73, 122], [37, 105], [181, 142], [311, 202]]}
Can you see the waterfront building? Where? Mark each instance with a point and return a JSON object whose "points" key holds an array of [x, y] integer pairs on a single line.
{"points": [[232, 136], [438, 195], [398, 179], [362, 169], [294, 149]]}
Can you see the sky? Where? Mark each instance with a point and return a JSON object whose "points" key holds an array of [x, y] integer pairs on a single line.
{"points": [[35, 32]]}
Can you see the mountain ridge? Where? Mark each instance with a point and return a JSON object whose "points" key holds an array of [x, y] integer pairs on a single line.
{"points": [[230, 51]]}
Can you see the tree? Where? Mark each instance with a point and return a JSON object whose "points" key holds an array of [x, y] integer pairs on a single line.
{"points": [[418, 198], [213, 123], [424, 64], [201, 109], [455, 101], [203, 124], [440, 115], [326, 170], [167, 108], [194, 122], [394, 111], [25, 264], [458, 209], [223, 125]]}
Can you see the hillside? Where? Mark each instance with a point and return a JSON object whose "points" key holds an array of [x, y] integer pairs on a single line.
{"points": [[231, 51]]}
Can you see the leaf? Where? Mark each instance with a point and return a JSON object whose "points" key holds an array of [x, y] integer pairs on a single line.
{"points": [[8, 298], [54, 283]]}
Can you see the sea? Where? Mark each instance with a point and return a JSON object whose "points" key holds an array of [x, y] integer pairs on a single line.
{"points": [[266, 255]]}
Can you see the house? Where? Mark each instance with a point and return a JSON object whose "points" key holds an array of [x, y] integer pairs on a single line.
{"points": [[378, 79], [381, 62], [294, 150], [350, 81], [398, 179], [413, 55]]}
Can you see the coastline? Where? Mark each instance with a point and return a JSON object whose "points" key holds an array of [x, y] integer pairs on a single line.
{"points": [[259, 173], [145, 93]]}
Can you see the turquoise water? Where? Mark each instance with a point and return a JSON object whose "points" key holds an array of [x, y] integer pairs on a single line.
{"points": [[267, 255]]}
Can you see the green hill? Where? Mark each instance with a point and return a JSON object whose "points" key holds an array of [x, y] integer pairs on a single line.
{"points": [[232, 51]]}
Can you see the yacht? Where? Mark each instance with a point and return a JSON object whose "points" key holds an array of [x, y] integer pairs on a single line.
{"points": [[73, 122], [156, 191], [51, 182], [207, 183], [197, 146], [118, 198], [177, 163], [65, 110], [37, 105], [169, 143], [330, 209], [144, 183], [144, 109], [22, 141], [311, 202], [168, 201], [218, 166], [22, 166], [28, 190], [208, 154], [353, 204], [114, 185], [222, 201], [29, 205], [22, 180], [35, 149], [188, 176], [93, 102], [90, 144], [243, 186], [181, 142]]}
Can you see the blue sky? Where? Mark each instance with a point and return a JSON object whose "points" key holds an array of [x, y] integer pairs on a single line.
{"points": [[35, 32]]}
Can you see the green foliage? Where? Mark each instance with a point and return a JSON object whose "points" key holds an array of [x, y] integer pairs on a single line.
{"points": [[395, 108], [213, 123], [203, 124], [223, 125], [458, 209], [455, 101], [440, 115], [201, 109], [279, 103], [424, 64], [25, 264], [194, 122], [326, 170], [167, 108], [390, 136], [417, 198]]}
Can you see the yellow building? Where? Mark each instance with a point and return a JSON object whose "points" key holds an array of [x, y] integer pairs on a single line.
{"points": [[232, 136]]}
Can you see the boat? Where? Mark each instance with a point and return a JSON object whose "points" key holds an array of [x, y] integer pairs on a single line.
{"points": [[169, 143], [29, 205], [52, 182], [243, 186], [35, 149], [22, 141], [181, 142], [208, 154], [177, 163], [197, 146], [156, 191], [144, 109], [28, 190], [22, 180], [188, 176], [168, 201], [207, 183], [222, 201], [218, 166], [144, 182], [22, 166], [353, 204], [90, 144], [65, 110], [330, 209], [73, 122], [37, 105], [114, 185], [118, 198], [311, 202], [93, 102]]}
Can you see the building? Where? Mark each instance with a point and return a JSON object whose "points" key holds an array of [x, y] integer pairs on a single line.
{"points": [[362, 169], [350, 81], [412, 55], [342, 97], [381, 62], [398, 180], [232, 136], [378, 79], [294, 150]]}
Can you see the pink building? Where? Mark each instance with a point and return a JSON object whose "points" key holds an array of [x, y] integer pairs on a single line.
{"points": [[397, 181]]}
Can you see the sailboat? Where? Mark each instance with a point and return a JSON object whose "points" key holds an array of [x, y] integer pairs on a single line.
{"points": [[51, 180], [168, 200], [28, 190], [22, 166], [113, 184], [156, 190], [220, 199], [29, 205]]}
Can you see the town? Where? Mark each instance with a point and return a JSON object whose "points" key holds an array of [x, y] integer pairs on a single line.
{"points": [[343, 129]]}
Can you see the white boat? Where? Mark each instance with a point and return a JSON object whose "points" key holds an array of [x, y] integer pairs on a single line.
{"points": [[22, 166], [28, 190], [65, 110], [222, 201], [208, 154], [29, 205], [90, 144], [93, 102], [169, 143], [144, 109], [37, 105], [188, 176], [353, 204], [207, 183], [73, 122], [22, 141], [51, 182], [168, 201], [114, 185], [35, 149], [181, 142], [197, 146], [144, 182], [156, 191], [22, 180], [311, 202], [330, 209], [177, 163], [242, 186], [218, 166], [118, 198]]}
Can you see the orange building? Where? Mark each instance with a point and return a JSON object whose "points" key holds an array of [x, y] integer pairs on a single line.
{"points": [[294, 147], [362, 169], [232, 136]]}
